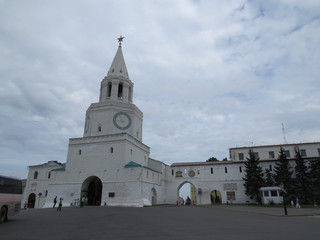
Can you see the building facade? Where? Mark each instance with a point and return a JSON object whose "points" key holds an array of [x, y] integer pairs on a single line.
{"points": [[111, 166]]}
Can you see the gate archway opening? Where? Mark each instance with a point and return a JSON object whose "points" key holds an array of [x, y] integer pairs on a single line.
{"points": [[91, 190], [31, 200], [215, 197], [154, 196], [186, 194]]}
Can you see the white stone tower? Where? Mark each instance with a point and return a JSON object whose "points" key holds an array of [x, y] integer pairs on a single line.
{"points": [[115, 113]]}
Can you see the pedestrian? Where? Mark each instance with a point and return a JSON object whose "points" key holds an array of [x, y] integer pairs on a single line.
{"points": [[292, 204], [297, 203], [54, 202], [60, 205], [82, 201]]}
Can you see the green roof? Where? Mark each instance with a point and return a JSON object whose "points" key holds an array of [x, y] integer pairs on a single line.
{"points": [[132, 164]]}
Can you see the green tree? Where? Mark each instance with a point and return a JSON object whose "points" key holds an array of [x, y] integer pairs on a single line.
{"points": [[302, 183], [212, 159], [283, 172], [315, 179], [253, 177], [268, 178]]}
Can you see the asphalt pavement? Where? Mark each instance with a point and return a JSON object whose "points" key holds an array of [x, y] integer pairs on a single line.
{"points": [[163, 222]]}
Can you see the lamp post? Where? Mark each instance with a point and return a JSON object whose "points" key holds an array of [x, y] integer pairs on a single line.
{"points": [[284, 199]]}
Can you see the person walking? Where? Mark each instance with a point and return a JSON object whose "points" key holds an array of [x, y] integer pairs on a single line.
{"points": [[54, 202], [82, 201], [297, 203], [60, 205]]}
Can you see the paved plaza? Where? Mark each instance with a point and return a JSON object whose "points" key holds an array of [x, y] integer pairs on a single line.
{"points": [[164, 222]]}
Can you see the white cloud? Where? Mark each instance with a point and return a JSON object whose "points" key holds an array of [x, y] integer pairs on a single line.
{"points": [[208, 75]]}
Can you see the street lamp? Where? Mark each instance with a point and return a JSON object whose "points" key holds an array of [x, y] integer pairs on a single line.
{"points": [[284, 199]]}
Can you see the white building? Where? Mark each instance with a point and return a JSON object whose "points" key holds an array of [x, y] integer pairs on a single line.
{"points": [[111, 166]]}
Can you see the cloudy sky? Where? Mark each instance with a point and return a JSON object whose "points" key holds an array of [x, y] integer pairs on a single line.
{"points": [[208, 75]]}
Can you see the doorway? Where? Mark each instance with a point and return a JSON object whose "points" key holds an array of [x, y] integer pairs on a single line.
{"points": [[91, 190], [154, 197], [186, 194], [31, 200], [215, 197]]}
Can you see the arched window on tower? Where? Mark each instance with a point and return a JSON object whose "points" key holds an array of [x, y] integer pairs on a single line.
{"points": [[35, 175], [109, 89], [130, 94], [99, 128], [120, 90]]}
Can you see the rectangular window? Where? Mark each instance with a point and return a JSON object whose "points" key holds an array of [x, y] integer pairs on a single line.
{"points": [[231, 196], [226, 170], [287, 153], [111, 194], [303, 153], [274, 193], [172, 172], [11, 186], [240, 169], [266, 193], [319, 151], [270, 167], [211, 170], [241, 156], [271, 154]]}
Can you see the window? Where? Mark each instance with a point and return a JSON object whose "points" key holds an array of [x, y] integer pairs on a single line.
{"points": [[198, 171], [109, 89], [131, 151], [266, 193], [240, 169], [319, 151], [99, 128], [270, 167], [226, 170], [241, 156], [256, 155], [274, 193], [172, 172], [231, 196], [120, 90], [79, 151], [303, 153], [111, 150], [271, 154], [35, 175], [287, 153], [211, 170], [111, 194], [9, 185], [49, 175], [46, 193]]}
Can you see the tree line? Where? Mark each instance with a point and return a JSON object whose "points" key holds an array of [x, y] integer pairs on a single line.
{"points": [[302, 180]]}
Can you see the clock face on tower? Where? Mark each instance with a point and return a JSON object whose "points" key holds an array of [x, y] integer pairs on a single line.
{"points": [[122, 120]]}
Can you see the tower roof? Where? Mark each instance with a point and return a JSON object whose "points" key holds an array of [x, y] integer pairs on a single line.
{"points": [[118, 66]]}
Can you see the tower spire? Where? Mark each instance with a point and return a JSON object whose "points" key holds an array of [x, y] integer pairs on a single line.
{"points": [[118, 67]]}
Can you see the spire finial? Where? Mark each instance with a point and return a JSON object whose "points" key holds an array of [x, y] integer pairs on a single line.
{"points": [[120, 39]]}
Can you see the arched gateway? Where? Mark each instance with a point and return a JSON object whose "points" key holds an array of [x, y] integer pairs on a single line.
{"points": [[91, 189], [31, 200]]}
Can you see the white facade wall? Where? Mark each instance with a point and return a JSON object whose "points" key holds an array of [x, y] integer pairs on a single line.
{"points": [[312, 150]]}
